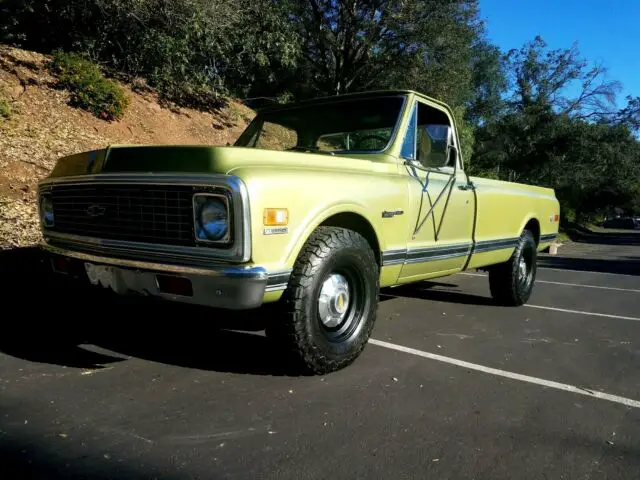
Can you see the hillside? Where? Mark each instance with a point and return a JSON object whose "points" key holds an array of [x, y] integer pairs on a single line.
{"points": [[43, 127]]}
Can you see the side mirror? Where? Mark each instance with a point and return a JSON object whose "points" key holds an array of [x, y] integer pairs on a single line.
{"points": [[443, 151], [448, 138], [452, 155]]}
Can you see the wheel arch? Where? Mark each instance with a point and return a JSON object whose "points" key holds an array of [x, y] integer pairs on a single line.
{"points": [[345, 216], [533, 225], [358, 223]]}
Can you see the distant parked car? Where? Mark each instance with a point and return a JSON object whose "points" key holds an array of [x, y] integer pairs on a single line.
{"points": [[622, 222]]}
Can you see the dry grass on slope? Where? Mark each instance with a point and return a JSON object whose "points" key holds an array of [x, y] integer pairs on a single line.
{"points": [[42, 127]]}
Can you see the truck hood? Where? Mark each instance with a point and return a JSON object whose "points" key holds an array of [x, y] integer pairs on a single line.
{"points": [[189, 159]]}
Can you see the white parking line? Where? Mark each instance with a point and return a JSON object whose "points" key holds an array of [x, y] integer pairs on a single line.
{"points": [[589, 286], [580, 312], [514, 376], [566, 284], [585, 271]]}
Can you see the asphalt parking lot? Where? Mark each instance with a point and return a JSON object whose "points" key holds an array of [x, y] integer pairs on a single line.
{"points": [[451, 387]]}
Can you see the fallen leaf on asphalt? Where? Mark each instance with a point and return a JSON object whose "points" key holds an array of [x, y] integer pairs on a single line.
{"points": [[92, 372]]}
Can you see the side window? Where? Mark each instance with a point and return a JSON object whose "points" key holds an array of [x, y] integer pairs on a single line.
{"points": [[334, 141], [433, 138], [409, 144]]}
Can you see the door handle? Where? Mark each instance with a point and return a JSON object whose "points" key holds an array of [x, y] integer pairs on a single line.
{"points": [[466, 186]]}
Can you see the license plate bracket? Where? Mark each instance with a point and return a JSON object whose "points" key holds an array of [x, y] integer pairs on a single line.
{"points": [[101, 275]]}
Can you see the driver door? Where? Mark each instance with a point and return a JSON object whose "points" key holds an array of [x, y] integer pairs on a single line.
{"points": [[442, 204]]}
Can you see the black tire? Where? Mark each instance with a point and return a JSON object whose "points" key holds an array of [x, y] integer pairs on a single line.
{"points": [[298, 327], [510, 284]]}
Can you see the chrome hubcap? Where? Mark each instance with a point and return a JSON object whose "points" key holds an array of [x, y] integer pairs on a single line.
{"points": [[333, 303], [522, 267]]}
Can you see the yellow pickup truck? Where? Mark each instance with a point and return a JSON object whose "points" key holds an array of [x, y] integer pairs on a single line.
{"points": [[316, 206]]}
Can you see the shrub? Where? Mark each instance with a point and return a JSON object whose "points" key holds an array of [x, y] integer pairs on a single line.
{"points": [[5, 109], [89, 89], [194, 53]]}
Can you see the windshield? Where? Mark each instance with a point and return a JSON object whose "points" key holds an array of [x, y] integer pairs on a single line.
{"points": [[358, 125]]}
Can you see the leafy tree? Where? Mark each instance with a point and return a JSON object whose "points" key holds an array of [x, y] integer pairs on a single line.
{"points": [[541, 77], [353, 45], [489, 81], [578, 144], [629, 115], [193, 51]]}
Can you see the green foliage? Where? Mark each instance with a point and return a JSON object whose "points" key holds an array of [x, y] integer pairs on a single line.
{"points": [[356, 45], [489, 81], [466, 132], [194, 52], [578, 145], [5, 109], [285, 97], [89, 89]]}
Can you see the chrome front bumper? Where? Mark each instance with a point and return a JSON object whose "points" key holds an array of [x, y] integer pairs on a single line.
{"points": [[229, 287]]}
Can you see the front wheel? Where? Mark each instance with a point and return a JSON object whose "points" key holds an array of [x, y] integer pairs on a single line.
{"points": [[329, 308], [511, 283]]}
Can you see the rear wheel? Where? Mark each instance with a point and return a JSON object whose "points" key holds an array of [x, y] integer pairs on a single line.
{"points": [[330, 305], [511, 283]]}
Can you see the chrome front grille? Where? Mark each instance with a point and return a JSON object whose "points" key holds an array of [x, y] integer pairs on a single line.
{"points": [[161, 214]]}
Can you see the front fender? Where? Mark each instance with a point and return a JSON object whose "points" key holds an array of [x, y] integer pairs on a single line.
{"points": [[313, 196], [317, 218]]}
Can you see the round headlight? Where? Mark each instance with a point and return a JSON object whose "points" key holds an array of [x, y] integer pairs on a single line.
{"points": [[46, 211], [212, 219]]}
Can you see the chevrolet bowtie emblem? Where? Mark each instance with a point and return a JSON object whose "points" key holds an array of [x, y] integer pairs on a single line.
{"points": [[95, 210]]}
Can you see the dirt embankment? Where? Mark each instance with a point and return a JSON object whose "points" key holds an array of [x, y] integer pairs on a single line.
{"points": [[42, 127]]}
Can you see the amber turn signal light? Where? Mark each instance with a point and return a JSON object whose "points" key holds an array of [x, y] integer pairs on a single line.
{"points": [[276, 217]]}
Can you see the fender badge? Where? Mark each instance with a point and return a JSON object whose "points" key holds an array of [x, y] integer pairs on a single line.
{"points": [[392, 213], [276, 230]]}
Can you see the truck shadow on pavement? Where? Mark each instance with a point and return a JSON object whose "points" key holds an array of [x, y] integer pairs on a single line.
{"points": [[429, 291], [136, 329], [48, 320], [628, 266], [33, 457]]}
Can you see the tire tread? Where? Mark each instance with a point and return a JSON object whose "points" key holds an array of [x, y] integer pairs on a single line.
{"points": [[290, 329], [503, 277]]}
